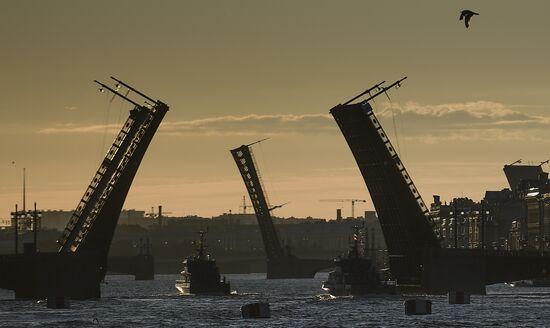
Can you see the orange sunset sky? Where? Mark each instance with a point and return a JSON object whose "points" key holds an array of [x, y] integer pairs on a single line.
{"points": [[237, 71]]}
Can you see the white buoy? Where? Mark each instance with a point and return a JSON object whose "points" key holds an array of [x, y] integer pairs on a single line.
{"points": [[418, 307]]}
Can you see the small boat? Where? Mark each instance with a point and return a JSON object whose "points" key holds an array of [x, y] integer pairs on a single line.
{"points": [[356, 275], [201, 275]]}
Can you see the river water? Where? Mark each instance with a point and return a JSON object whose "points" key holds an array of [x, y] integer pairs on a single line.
{"points": [[294, 303]]}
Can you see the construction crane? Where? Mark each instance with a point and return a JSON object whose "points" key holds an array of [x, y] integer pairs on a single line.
{"points": [[158, 215], [244, 206], [352, 201]]}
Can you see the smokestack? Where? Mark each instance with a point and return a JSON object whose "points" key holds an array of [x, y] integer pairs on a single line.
{"points": [[160, 216], [338, 214]]}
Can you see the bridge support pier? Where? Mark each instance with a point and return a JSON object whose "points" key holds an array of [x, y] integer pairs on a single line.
{"points": [[447, 270]]}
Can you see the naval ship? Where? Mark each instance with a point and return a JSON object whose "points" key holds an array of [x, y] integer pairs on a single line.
{"points": [[200, 274], [356, 275]]}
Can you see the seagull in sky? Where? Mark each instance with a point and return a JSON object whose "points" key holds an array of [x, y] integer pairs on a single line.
{"points": [[467, 15]]}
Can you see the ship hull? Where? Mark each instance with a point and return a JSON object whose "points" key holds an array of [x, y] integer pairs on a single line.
{"points": [[186, 289]]}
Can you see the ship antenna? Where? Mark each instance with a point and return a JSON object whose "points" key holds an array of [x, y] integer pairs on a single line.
{"points": [[202, 234]]}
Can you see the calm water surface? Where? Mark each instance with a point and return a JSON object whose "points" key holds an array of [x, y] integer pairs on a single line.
{"points": [[294, 303]]}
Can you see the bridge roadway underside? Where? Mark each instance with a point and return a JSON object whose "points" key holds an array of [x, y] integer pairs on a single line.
{"points": [[291, 267], [447, 269], [42, 275]]}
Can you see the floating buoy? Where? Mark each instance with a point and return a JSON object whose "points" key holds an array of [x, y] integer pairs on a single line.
{"points": [[256, 310], [58, 302], [459, 297], [418, 307]]}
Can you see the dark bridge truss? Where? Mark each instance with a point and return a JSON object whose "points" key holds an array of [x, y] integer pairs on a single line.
{"points": [[416, 257], [400, 209], [81, 263], [92, 225], [280, 264], [244, 159]]}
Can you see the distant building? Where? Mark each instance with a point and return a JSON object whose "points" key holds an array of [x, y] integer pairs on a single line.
{"points": [[134, 217], [5, 224], [518, 175], [57, 219], [236, 218], [514, 218], [538, 218]]}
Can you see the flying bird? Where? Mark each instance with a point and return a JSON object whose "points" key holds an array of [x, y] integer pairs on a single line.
{"points": [[467, 15]]}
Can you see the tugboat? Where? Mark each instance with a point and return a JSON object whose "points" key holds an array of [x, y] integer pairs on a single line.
{"points": [[356, 275], [200, 274]]}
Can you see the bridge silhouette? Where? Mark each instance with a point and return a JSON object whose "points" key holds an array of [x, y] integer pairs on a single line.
{"points": [[416, 258]]}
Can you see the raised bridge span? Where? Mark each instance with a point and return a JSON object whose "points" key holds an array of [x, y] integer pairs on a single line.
{"points": [[415, 255]]}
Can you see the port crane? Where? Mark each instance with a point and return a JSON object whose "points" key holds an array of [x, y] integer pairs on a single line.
{"points": [[244, 206], [158, 215], [352, 201]]}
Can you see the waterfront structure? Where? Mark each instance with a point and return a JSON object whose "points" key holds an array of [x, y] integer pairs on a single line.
{"points": [[408, 230], [514, 218], [416, 257], [57, 219], [538, 218], [281, 263], [80, 264]]}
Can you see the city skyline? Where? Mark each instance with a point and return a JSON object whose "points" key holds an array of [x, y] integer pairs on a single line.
{"points": [[234, 73]]}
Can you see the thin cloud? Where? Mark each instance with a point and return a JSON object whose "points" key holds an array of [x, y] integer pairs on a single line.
{"points": [[459, 115], [468, 122], [286, 124], [248, 125], [70, 128], [465, 122]]}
